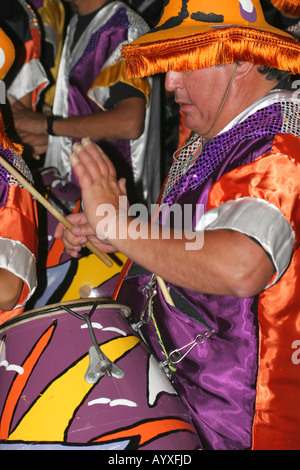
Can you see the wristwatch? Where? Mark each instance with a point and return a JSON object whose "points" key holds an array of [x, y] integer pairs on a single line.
{"points": [[50, 121]]}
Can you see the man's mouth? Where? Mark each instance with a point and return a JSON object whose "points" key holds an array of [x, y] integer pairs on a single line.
{"points": [[184, 105]]}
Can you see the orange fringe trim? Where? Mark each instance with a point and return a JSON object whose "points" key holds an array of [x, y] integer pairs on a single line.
{"points": [[222, 46], [6, 142], [289, 7]]}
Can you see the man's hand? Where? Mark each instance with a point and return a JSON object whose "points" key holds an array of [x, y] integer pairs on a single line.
{"points": [[75, 239], [99, 186], [27, 121], [38, 143]]}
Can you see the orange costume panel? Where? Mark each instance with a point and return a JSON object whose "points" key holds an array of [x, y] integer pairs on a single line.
{"points": [[274, 177], [18, 232]]}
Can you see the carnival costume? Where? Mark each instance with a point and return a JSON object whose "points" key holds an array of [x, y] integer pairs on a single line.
{"points": [[233, 361], [28, 74], [88, 71], [18, 233], [52, 15]]}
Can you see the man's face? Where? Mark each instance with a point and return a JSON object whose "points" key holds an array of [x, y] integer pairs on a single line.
{"points": [[199, 94]]}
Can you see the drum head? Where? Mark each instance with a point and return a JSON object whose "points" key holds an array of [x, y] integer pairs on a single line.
{"points": [[76, 375]]}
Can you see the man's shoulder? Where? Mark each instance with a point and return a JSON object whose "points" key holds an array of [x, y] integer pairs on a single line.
{"points": [[132, 18], [280, 106]]}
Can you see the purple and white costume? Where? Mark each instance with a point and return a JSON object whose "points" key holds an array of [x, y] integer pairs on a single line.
{"points": [[88, 70]]}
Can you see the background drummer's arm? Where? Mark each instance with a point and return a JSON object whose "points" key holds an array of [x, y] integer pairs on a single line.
{"points": [[10, 289], [129, 114], [124, 121]]}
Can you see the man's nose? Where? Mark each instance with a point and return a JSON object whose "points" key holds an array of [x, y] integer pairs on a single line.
{"points": [[173, 80]]}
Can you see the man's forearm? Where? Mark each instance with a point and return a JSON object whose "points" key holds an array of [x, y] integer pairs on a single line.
{"points": [[123, 122], [224, 262], [10, 288]]}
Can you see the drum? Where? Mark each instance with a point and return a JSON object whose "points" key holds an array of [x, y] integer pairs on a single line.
{"points": [[75, 375]]}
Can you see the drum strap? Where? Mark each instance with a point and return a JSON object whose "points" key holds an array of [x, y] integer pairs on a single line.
{"points": [[121, 278]]}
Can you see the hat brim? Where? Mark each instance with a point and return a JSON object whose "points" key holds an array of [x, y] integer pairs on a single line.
{"points": [[185, 48]]}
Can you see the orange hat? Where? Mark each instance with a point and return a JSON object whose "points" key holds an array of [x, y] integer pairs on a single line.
{"points": [[193, 34], [289, 7], [7, 54]]}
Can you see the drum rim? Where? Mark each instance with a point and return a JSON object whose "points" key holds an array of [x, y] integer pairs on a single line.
{"points": [[59, 308]]}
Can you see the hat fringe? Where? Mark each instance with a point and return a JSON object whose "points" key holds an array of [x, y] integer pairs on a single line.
{"points": [[290, 7], [224, 46]]}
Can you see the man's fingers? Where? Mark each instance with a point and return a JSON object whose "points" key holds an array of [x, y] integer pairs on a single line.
{"points": [[93, 163], [59, 230], [73, 159], [96, 152], [73, 242], [82, 231], [84, 177], [122, 186], [91, 154]]}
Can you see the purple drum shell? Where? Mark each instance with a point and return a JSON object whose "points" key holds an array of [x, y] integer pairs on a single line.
{"points": [[46, 403]]}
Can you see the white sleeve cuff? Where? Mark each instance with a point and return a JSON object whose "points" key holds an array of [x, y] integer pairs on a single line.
{"points": [[18, 259], [260, 220]]}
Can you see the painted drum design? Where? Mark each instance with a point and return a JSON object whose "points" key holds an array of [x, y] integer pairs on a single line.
{"points": [[57, 393]]}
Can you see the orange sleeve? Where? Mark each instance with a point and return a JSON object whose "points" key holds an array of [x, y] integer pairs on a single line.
{"points": [[273, 177]]}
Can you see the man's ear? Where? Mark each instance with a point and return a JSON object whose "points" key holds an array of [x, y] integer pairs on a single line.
{"points": [[243, 70]]}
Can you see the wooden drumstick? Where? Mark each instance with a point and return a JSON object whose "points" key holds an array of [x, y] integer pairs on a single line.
{"points": [[51, 209], [166, 294]]}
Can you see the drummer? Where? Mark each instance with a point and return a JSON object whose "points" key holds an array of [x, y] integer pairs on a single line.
{"points": [[18, 228], [235, 315]]}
